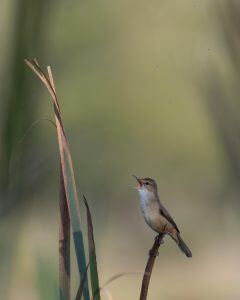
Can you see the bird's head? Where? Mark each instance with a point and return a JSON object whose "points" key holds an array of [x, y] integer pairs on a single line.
{"points": [[146, 184]]}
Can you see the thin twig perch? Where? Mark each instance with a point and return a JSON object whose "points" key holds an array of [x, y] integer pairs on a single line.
{"points": [[148, 270]]}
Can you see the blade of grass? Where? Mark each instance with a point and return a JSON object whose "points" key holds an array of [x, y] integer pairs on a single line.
{"points": [[67, 172], [64, 234], [92, 255], [32, 126], [64, 243], [81, 286]]}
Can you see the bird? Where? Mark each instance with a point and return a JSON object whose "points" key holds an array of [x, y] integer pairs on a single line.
{"points": [[156, 215]]}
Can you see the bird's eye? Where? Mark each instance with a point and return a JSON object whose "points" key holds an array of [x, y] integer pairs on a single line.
{"points": [[147, 183]]}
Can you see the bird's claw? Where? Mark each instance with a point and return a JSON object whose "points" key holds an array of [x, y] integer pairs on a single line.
{"points": [[160, 241]]}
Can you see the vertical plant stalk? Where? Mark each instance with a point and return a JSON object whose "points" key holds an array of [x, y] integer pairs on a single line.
{"points": [[64, 243], [81, 286], [149, 266], [92, 255], [67, 172]]}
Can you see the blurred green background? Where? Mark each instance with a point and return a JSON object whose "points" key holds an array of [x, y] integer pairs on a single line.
{"points": [[148, 88]]}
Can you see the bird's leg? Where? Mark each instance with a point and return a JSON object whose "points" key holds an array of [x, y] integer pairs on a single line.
{"points": [[157, 239], [163, 231], [164, 228]]}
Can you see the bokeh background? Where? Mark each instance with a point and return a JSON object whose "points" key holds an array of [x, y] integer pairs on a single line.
{"points": [[148, 88]]}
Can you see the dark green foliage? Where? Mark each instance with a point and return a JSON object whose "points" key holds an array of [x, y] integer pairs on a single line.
{"points": [[92, 255], [81, 286], [18, 113]]}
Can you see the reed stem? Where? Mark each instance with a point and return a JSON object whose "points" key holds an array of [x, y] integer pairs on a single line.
{"points": [[153, 253]]}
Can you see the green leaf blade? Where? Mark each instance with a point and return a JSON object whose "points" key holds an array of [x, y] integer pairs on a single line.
{"points": [[92, 256]]}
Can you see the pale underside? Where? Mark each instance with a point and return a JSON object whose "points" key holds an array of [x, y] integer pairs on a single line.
{"points": [[150, 207]]}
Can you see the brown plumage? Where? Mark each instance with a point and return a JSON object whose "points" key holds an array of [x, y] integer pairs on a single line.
{"points": [[156, 215]]}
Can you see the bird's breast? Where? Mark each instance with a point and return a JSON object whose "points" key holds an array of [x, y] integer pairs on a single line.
{"points": [[150, 209]]}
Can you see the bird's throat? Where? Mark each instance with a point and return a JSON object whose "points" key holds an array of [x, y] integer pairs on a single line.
{"points": [[146, 195]]}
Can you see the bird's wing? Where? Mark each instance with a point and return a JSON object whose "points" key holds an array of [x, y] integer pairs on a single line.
{"points": [[167, 216]]}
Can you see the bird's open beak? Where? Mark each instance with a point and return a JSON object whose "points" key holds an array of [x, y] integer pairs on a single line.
{"points": [[138, 180]]}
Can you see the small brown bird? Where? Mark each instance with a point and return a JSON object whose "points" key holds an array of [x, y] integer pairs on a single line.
{"points": [[156, 215]]}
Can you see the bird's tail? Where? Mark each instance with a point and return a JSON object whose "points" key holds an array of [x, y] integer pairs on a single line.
{"points": [[184, 248]]}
